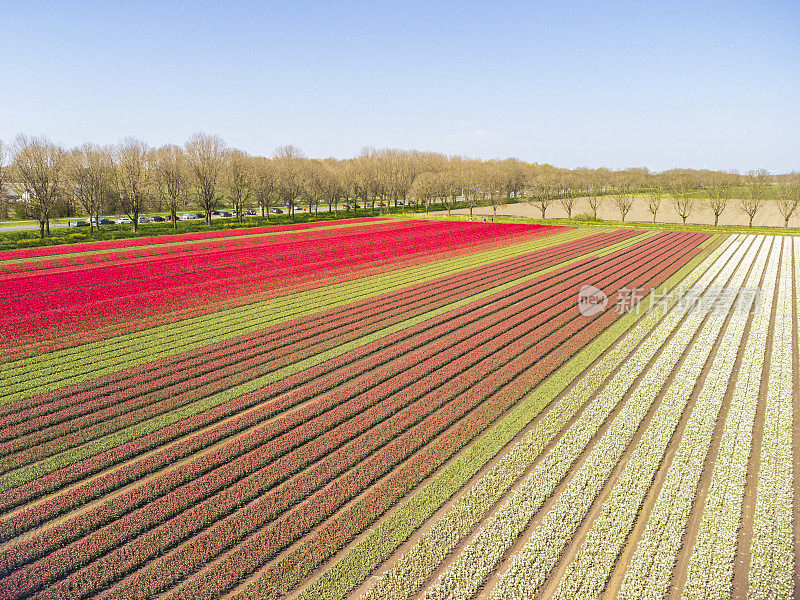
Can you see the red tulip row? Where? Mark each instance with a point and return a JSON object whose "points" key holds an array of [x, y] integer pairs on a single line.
{"points": [[60, 336], [65, 501], [167, 239], [28, 315], [124, 504], [100, 258], [164, 572], [94, 283], [249, 250], [94, 545], [405, 300], [39, 488], [276, 580], [192, 375]]}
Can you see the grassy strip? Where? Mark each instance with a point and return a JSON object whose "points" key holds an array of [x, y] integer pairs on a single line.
{"points": [[361, 560], [56, 369]]}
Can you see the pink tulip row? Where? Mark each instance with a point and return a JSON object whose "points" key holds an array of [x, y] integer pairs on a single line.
{"points": [[92, 283], [155, 266], [95, 545], [43, 425], [141, 317], [59, 263], [31, 316], [166, 239], [466, 280]]}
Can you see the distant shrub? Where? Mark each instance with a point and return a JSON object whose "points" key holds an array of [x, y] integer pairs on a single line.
{"points": [[587, 217]]}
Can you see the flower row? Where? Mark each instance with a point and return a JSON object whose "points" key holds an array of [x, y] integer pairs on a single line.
{"points": [[587, 574]]}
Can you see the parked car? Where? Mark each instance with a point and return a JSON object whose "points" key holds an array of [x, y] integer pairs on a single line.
{"points": [[215, 213], [275, 211], [187, 217], [200, 216], [158, 219], [105, 221], [124, 221], [226, 214], [144, 220], [81, 224]]}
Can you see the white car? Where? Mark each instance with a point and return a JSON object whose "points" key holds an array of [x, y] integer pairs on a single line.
{"points": [[187, 217], [124, 221]]}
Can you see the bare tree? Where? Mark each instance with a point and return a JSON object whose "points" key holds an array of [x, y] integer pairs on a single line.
{"points": [[719, 194], [623, 197], [288, 164], [427, 187], [40, 165], [540, 186], [237, 180], [655, 196], [565, 189], [5, 177], [597, 186], [681, 194], [171, 177], [134, 177], [206, 158], [91, 175], [754, 194], [264, 185], [788, 202]]}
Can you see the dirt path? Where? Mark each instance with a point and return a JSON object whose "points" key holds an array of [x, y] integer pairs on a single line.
{"points": [[769, 216]]}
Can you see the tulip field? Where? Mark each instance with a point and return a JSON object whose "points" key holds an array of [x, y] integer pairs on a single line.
{"points": [[401, 409]]}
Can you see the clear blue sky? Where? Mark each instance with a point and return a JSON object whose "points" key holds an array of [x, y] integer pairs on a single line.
{"points": [[697, 84]]}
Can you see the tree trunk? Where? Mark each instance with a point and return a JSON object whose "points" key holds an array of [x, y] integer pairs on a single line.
{"points": [[716, 219], [41, 229], [684, 219]]}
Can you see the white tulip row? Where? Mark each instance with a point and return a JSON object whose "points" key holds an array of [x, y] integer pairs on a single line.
{"points": [[771, 550], [587, 574], [409, 573], [710, 571], [530, 567], [649, 573]]}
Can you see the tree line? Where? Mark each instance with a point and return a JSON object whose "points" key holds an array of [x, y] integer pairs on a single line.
{"points": [[132, 177]]}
